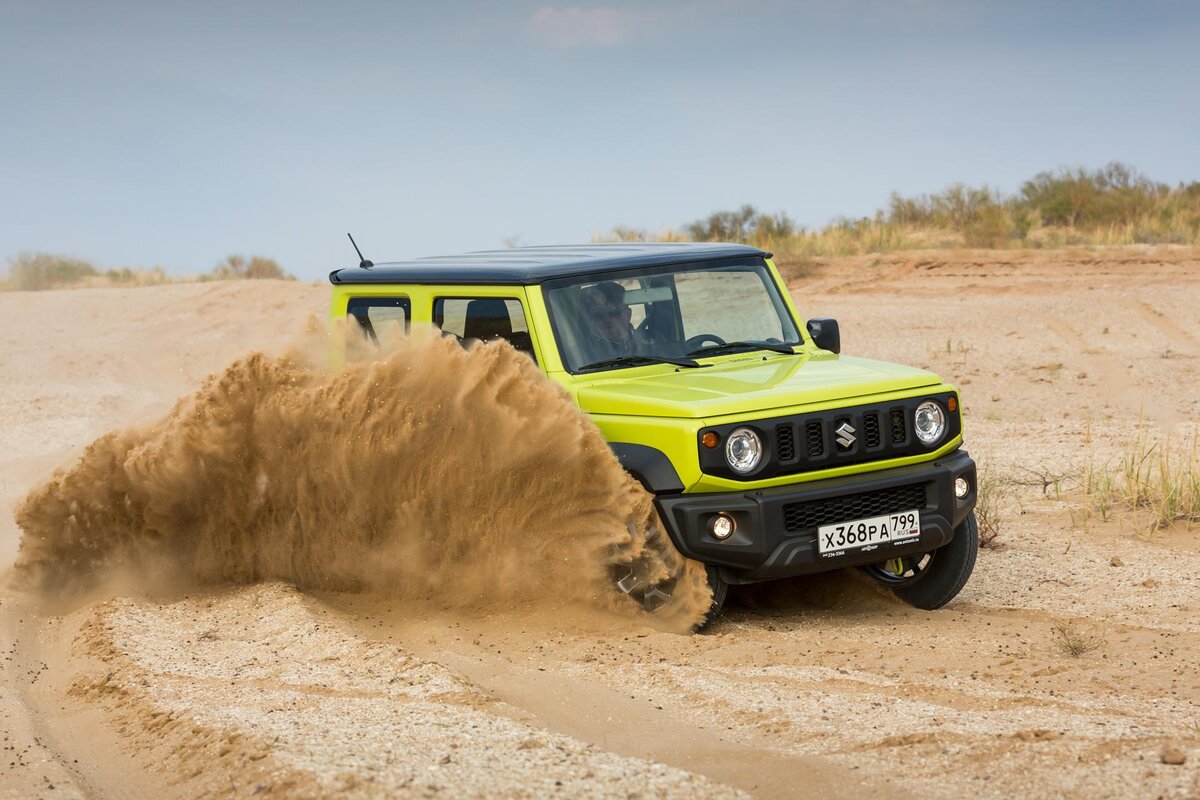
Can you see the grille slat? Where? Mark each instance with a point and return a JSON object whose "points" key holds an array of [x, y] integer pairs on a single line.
{"points": [[798, 517], [785, 443], [899, 431], [871, 431], [814, 439]]}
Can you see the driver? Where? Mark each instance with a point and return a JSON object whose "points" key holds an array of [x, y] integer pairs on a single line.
{"points": [[609, 332]]}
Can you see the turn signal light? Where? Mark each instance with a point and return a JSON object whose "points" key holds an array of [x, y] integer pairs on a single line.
{"points": [[952, 403], [709, 440]]}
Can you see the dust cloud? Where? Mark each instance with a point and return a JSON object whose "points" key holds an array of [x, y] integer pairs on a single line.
{"points": [[423, 471]]}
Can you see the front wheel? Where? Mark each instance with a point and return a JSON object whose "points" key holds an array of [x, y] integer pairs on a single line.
{"points": [[660, 598], [720, 590], [931, 580]]}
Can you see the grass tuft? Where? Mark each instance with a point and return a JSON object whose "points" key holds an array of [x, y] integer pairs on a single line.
{"points": [[1156, 476]]}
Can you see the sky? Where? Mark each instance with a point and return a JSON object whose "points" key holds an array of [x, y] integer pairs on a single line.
{"points": [[175, 133]]}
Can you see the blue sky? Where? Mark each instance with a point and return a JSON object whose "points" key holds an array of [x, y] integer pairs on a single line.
{"points": [[174, 134]]}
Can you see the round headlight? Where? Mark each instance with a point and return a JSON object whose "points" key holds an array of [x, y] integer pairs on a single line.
{"points": [[929, 422], [743, 450]]}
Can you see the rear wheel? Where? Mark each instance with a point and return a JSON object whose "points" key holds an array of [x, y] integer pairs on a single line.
{"points": [[931, 580]]}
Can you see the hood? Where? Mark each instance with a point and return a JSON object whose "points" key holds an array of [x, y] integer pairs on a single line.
{"points": [[748, 383]]}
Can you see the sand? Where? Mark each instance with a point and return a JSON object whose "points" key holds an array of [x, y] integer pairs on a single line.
{"points": [[821, 688]]}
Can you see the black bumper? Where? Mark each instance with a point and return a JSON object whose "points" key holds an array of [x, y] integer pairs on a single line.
{"points": [[776, 533]]}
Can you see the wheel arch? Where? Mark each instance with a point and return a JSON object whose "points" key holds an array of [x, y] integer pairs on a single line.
{"points": [[650, 466]]}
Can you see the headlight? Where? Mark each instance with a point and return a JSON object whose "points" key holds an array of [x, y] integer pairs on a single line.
{"points": [[743, 450], [929, 422]]}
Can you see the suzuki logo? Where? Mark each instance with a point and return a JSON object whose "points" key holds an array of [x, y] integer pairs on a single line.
{"points": [[845, 435]]}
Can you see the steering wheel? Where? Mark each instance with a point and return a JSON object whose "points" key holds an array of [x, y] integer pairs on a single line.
{"points": [[699, 339]]}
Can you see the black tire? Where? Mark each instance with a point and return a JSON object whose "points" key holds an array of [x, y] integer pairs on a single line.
{"points": [[946, 574], [720, 590]]}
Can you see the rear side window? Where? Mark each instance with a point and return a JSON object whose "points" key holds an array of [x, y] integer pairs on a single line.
{"points": [[484, 319], [379, 315]]}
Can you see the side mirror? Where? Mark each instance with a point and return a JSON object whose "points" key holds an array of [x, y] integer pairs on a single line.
{"points": [[824, 332]]}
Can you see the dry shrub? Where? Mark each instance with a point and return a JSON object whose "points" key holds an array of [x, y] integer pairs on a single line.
{"points": [[991, 512], [992, 228], [137, 276], [1076, 640], [35, 271], [1113, 205], [38, 271], [624, 233], [236, 267]]}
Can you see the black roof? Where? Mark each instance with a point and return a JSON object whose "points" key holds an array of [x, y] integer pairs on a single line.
{"points": [[528, 265]]}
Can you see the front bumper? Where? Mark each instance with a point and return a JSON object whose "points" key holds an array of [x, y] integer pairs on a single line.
{"points": [[776, 533]]}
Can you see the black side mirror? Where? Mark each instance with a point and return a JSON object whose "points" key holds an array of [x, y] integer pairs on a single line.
{"points": [[824, 332]]}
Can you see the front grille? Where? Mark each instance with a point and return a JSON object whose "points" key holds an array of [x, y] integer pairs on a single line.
{"points": [[829, 438], [799, 517], [814, 439], [871, 430], [785, 443], [899, 434]]}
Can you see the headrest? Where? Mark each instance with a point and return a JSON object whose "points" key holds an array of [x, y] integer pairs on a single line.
{"points": [[487, 318]]}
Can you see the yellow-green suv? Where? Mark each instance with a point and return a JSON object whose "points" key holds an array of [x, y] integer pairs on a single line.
{"points": [[769, 454]]}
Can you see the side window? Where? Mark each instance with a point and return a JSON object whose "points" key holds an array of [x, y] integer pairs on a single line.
{"points": [[379, 315], [484, 318]]}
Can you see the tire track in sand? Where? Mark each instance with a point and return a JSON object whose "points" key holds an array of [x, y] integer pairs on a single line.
{"points": [[1167, 327], [1113, 376], [631, 722]]}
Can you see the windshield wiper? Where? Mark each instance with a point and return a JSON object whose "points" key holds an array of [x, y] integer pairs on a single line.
{"points": [[728, 346], [622, 361]]}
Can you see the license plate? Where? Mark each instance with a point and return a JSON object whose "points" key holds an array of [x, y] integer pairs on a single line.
{"points": [[868, 533]]}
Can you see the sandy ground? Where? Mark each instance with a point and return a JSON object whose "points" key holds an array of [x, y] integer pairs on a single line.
{"points": [[821, 688]]}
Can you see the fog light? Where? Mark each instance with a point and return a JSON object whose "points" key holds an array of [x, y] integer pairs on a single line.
{"points": [[721, 526], [961, 487]]}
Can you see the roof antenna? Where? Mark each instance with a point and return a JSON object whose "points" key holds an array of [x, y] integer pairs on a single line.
{"points": [[362, 262]]}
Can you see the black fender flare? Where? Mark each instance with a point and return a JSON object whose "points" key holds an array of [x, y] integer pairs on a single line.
{"points": [[649, 466]]}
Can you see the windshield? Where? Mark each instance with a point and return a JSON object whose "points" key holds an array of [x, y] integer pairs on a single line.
{"points": [[605, 322]]}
